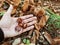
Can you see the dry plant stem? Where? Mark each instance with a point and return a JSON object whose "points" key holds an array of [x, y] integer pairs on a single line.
{"points": [[37, 26], [33, 39], [30, 32], [37, 33], [49, 38]]}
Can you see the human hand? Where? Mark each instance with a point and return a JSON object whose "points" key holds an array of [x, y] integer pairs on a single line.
{"points": [[8, 23]]}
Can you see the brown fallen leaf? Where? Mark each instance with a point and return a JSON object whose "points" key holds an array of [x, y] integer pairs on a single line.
{"points": [[49, 38], [39, 11], [37, 34], [25, 5], [15, 4], [37, 26], [31, 2], [57, 40], [33, 39], [6, 43], [1, 2], [14, 9], [42, 22]]}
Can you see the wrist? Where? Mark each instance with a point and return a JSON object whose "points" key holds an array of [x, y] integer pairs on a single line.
{"points": [[5, 31]]}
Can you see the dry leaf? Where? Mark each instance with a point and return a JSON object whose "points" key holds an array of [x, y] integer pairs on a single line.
{"points": [[30, 32], [15, 3], [37, 33], [32, 2], [49, 38], [25, 5], [33, 39], [57, 40], [6, 43], [43, 20], [37, 26], [39, 11], [1, 2]]}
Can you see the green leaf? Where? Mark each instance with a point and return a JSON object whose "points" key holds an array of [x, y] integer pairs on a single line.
{"points": [[1, 13], [28, 41], [24, 40], [54, 20]]}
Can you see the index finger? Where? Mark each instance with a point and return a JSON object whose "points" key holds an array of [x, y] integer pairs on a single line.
{"points": [[27, 16], [23, 17]]}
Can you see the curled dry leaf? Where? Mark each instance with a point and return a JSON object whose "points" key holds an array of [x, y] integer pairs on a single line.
{"points": [[33, 39], [6, 43], [39, 11], [25, 5], [49, 38], [32, 2], [15, 3], [42, 22], [35, 2], [14, 10], [37, 26], [1, 2], [57, 40], [37, 34]]}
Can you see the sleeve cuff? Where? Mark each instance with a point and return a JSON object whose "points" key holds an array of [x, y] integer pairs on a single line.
{"points": [[1, 35]]}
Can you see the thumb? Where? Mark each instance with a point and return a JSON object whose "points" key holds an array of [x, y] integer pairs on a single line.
{"points": [[8, 13], [10, 9], [6, 19]]}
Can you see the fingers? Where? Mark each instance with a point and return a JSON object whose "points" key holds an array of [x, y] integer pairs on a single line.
{"points": [[31, 23], [27, 16], [28, 28], [7, 14], [23, 17], [30, 19]]}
